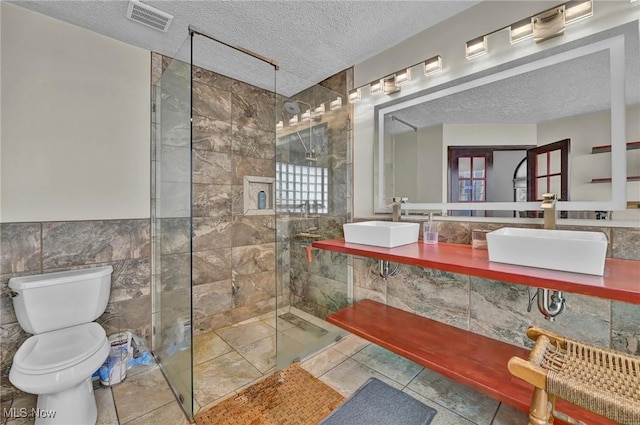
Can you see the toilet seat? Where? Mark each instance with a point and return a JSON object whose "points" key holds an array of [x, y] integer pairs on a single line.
{"points": [[57, 350]]}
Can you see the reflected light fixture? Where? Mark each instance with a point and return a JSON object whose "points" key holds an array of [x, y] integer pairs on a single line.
{"points": [[279, 125], [293, 120], [520, 31], [549, 24], [389, 85], [306, 115], [335, 104], [375, 87], [354, 95], [433, 65], [319, 110], [577, 10], [476, 47], [403, 76]]}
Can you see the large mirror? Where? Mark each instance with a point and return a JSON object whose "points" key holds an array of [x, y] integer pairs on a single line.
{"points": [[558, 122]]}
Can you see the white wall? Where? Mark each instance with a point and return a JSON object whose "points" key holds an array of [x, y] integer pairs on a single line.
{"points": [[585, 131], [504, 166], [417, 173], [430, 170], [448, 39], [76, 133], [405, 182]]}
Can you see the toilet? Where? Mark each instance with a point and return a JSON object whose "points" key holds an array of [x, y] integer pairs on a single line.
{"points": [[67, 347]]}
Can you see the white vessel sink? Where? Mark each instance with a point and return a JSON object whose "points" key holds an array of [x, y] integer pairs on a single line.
{"points": [[385, 234], [566, 250]]}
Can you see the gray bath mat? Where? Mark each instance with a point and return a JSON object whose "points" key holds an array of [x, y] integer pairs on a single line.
{"points": [[377, 403]]}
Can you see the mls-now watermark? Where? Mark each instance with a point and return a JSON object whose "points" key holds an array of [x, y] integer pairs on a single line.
{"points": [[23, 412]]}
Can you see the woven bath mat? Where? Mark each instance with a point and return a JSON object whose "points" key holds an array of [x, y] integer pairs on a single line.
{"points": [[291, 396]]}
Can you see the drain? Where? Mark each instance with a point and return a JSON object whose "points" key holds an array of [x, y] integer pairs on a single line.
{"points": [[305, 325]]}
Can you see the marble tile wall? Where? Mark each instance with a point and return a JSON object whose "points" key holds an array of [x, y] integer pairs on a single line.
{"points": [[32, 248], [233, 259], [319, 287], [499, 309]]}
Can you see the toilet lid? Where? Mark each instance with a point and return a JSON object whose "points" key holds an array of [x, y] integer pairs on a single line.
{"points": [[52, 351]]}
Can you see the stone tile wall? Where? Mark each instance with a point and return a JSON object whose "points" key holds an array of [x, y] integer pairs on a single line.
{"points": [[320, 287], [32, 248], [499, 309], [233, 257]]}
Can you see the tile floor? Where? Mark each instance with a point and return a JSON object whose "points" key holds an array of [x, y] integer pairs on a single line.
{"points": [[243, 354]]}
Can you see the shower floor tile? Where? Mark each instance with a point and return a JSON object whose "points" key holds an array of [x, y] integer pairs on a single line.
{"points": [[261, 354], [241, 335], [209, 346]]}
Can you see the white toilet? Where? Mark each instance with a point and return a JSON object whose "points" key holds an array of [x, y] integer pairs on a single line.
{"points": [[67, 347]]}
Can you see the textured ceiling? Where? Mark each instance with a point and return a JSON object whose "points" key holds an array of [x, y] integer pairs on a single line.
{"points": [[311, 40]]}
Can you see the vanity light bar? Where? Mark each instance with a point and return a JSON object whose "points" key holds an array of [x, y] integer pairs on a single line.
{"points": [[319, 110], [476, 47], [335, 104], [403, 76], [354, 95], [520, 31], [375, 87], [279, 125], [549, 24], [577, 10], [542, 26], [293, 120], [389, 85], [433, 65]]}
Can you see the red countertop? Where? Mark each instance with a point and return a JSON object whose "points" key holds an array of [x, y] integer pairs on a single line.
{"points": [[621, 280]]}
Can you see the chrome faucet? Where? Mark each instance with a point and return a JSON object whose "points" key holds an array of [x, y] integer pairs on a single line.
{"points": [[549, 209], [396, 205]]}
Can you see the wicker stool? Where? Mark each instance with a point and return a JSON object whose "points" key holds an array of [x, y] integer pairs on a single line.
{"points": [[597, 379]]}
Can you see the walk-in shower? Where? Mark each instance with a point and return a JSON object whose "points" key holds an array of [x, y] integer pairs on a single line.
{"points": [[237, 291]]}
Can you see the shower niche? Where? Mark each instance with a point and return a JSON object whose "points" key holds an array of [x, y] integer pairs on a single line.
{"points": [[259, 194]]}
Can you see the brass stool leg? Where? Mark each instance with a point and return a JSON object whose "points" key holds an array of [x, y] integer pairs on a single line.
{"points": [[539, 414], [552, 405]]}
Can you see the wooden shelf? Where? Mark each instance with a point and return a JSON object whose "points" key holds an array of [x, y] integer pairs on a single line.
{"points": [[608, 179], [621, 280], [471, 359], [607, 148]]}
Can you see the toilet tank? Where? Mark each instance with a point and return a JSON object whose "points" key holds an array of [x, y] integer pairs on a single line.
{"points": [[50, 301]]}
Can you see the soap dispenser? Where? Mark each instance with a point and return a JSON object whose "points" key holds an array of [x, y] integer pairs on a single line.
{"points": [[430, 234]]}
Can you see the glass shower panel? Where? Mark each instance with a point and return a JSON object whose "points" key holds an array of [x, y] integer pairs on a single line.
{"points": [[313, 175], [234, 230], [171, 222]]}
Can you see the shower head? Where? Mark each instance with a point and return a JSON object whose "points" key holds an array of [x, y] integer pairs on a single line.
{"points": [[293, 106]]}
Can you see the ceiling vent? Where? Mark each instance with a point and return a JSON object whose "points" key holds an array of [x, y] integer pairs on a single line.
{"points": [[149, 16]]}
